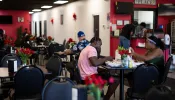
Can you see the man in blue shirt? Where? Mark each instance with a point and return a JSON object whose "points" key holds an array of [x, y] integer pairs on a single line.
{"points": [[77, 47]]}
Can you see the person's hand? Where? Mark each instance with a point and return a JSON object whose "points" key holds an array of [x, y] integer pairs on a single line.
{"points": [[131, 50], [109, 58], [60, 53]]}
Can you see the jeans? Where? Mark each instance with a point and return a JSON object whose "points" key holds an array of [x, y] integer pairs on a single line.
{"points": [[124, 42]]}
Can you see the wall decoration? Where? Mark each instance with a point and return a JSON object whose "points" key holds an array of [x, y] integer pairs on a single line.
{"points": [[61, 19], [52, 20], [148, 2], [119, 22], [75, 16], [126, 22], [20, 19]]}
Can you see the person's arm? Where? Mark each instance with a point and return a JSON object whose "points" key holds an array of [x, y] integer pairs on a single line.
{"points": [[97, 62], [146, 57]]}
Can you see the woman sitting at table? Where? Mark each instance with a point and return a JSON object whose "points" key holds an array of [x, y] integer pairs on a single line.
{"points": [[154, 54]]}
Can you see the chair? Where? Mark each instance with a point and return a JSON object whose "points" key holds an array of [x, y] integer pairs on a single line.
{"points": [[143, 78], [4, 61], [167, 68], [54, 65], [28, 84], [56, 90], [159, 93], [55, 47]]}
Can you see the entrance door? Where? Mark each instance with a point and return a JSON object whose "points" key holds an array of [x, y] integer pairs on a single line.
{"points": [[40, 28], [96, 25]]}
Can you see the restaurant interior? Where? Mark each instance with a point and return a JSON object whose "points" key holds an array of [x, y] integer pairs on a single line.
{"points": [[87, 49]]}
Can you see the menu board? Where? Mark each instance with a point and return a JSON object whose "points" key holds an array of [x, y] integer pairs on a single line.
{"points": [[147, 2]]}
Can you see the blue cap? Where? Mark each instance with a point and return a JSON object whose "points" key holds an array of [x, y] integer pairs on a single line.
{"points": [[80, 34]]}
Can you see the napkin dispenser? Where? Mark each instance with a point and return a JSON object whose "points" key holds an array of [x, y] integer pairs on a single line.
{"points": [[79, 92], [12, 65]]}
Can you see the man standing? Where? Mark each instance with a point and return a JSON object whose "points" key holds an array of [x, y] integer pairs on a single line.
{"points": [[88, 64], [126, 33]]}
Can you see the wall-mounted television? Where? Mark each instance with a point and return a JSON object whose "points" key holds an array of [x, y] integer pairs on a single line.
{"points": [[6, 19], [124, 8], [166, 9]]}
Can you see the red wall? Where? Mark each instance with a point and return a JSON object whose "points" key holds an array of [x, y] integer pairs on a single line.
{"points": [[10, 29], [162, 20]]}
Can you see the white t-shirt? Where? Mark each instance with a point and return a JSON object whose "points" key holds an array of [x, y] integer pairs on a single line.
{"points": [[167, 39]]}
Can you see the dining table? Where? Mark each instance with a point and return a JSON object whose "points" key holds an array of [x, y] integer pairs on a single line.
{"points": [[117, 65]]}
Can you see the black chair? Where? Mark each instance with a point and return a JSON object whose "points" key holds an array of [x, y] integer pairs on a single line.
{"points": [[54, 65], [26, 45], [55, 47], [56, 90], [167, 68], [28, 84], [4, 61], [144, 76], [159, 93]]}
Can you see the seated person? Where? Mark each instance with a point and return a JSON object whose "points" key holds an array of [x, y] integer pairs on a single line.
{"points": [[88, 63], [154, 54], [79, 46]]}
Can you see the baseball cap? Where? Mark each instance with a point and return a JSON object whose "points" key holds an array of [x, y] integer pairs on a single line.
{"points": [[80, 34]]}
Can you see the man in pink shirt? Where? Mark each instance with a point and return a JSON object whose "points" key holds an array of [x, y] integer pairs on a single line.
{"points": [[88, 63]]}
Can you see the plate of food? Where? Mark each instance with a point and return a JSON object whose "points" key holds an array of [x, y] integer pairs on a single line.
{"points": [[113, 63]]}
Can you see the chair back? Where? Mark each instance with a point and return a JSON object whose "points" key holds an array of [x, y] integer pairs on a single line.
{"points": [[29, 81], [54, 65], [26, 45], [56, 90], [167, 68], [55, 47], [143, 78], [4, 61], [159, 93]]}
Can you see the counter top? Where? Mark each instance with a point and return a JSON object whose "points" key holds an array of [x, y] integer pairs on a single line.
{"points": [[131, 37]]}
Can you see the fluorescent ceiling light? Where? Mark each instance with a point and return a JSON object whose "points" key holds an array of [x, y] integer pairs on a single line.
{"points": [[30, 12], [0, 0], [46, 7], [60, 2], [36, 10]]}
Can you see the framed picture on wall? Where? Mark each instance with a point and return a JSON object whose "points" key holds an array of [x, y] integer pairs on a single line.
{"points": [[20, 19], [61, 19], [119, 22], [126, 22]]}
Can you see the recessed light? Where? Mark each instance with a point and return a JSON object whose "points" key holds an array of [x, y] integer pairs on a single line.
{"points": [[31, 12], [60, 2], [0, 0], [46, 7], [36, 10]]}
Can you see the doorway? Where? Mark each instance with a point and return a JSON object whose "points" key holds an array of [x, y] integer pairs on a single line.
{"points": [[147, 15], [96, 25], [40, 28], [35, 28]]}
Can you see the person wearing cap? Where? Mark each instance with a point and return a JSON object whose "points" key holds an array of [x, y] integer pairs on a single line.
{"points": [[77, 47], [126, 34]]}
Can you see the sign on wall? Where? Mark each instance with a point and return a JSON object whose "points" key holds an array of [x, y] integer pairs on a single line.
{"points": [[148, 2], [20, 19]]}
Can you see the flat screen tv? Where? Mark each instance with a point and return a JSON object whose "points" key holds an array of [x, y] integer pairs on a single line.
{"points": [[5, 19], [166, 10], [124, 8]]}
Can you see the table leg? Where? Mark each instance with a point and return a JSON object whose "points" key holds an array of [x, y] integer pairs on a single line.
{"points": [[121, 84]]}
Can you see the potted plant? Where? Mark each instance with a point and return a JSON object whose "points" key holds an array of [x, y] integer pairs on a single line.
{"points": [[24, 54], [124, 55]]}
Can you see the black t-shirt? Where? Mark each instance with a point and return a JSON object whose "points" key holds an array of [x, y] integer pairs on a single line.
{"points": [[126, 30]]}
